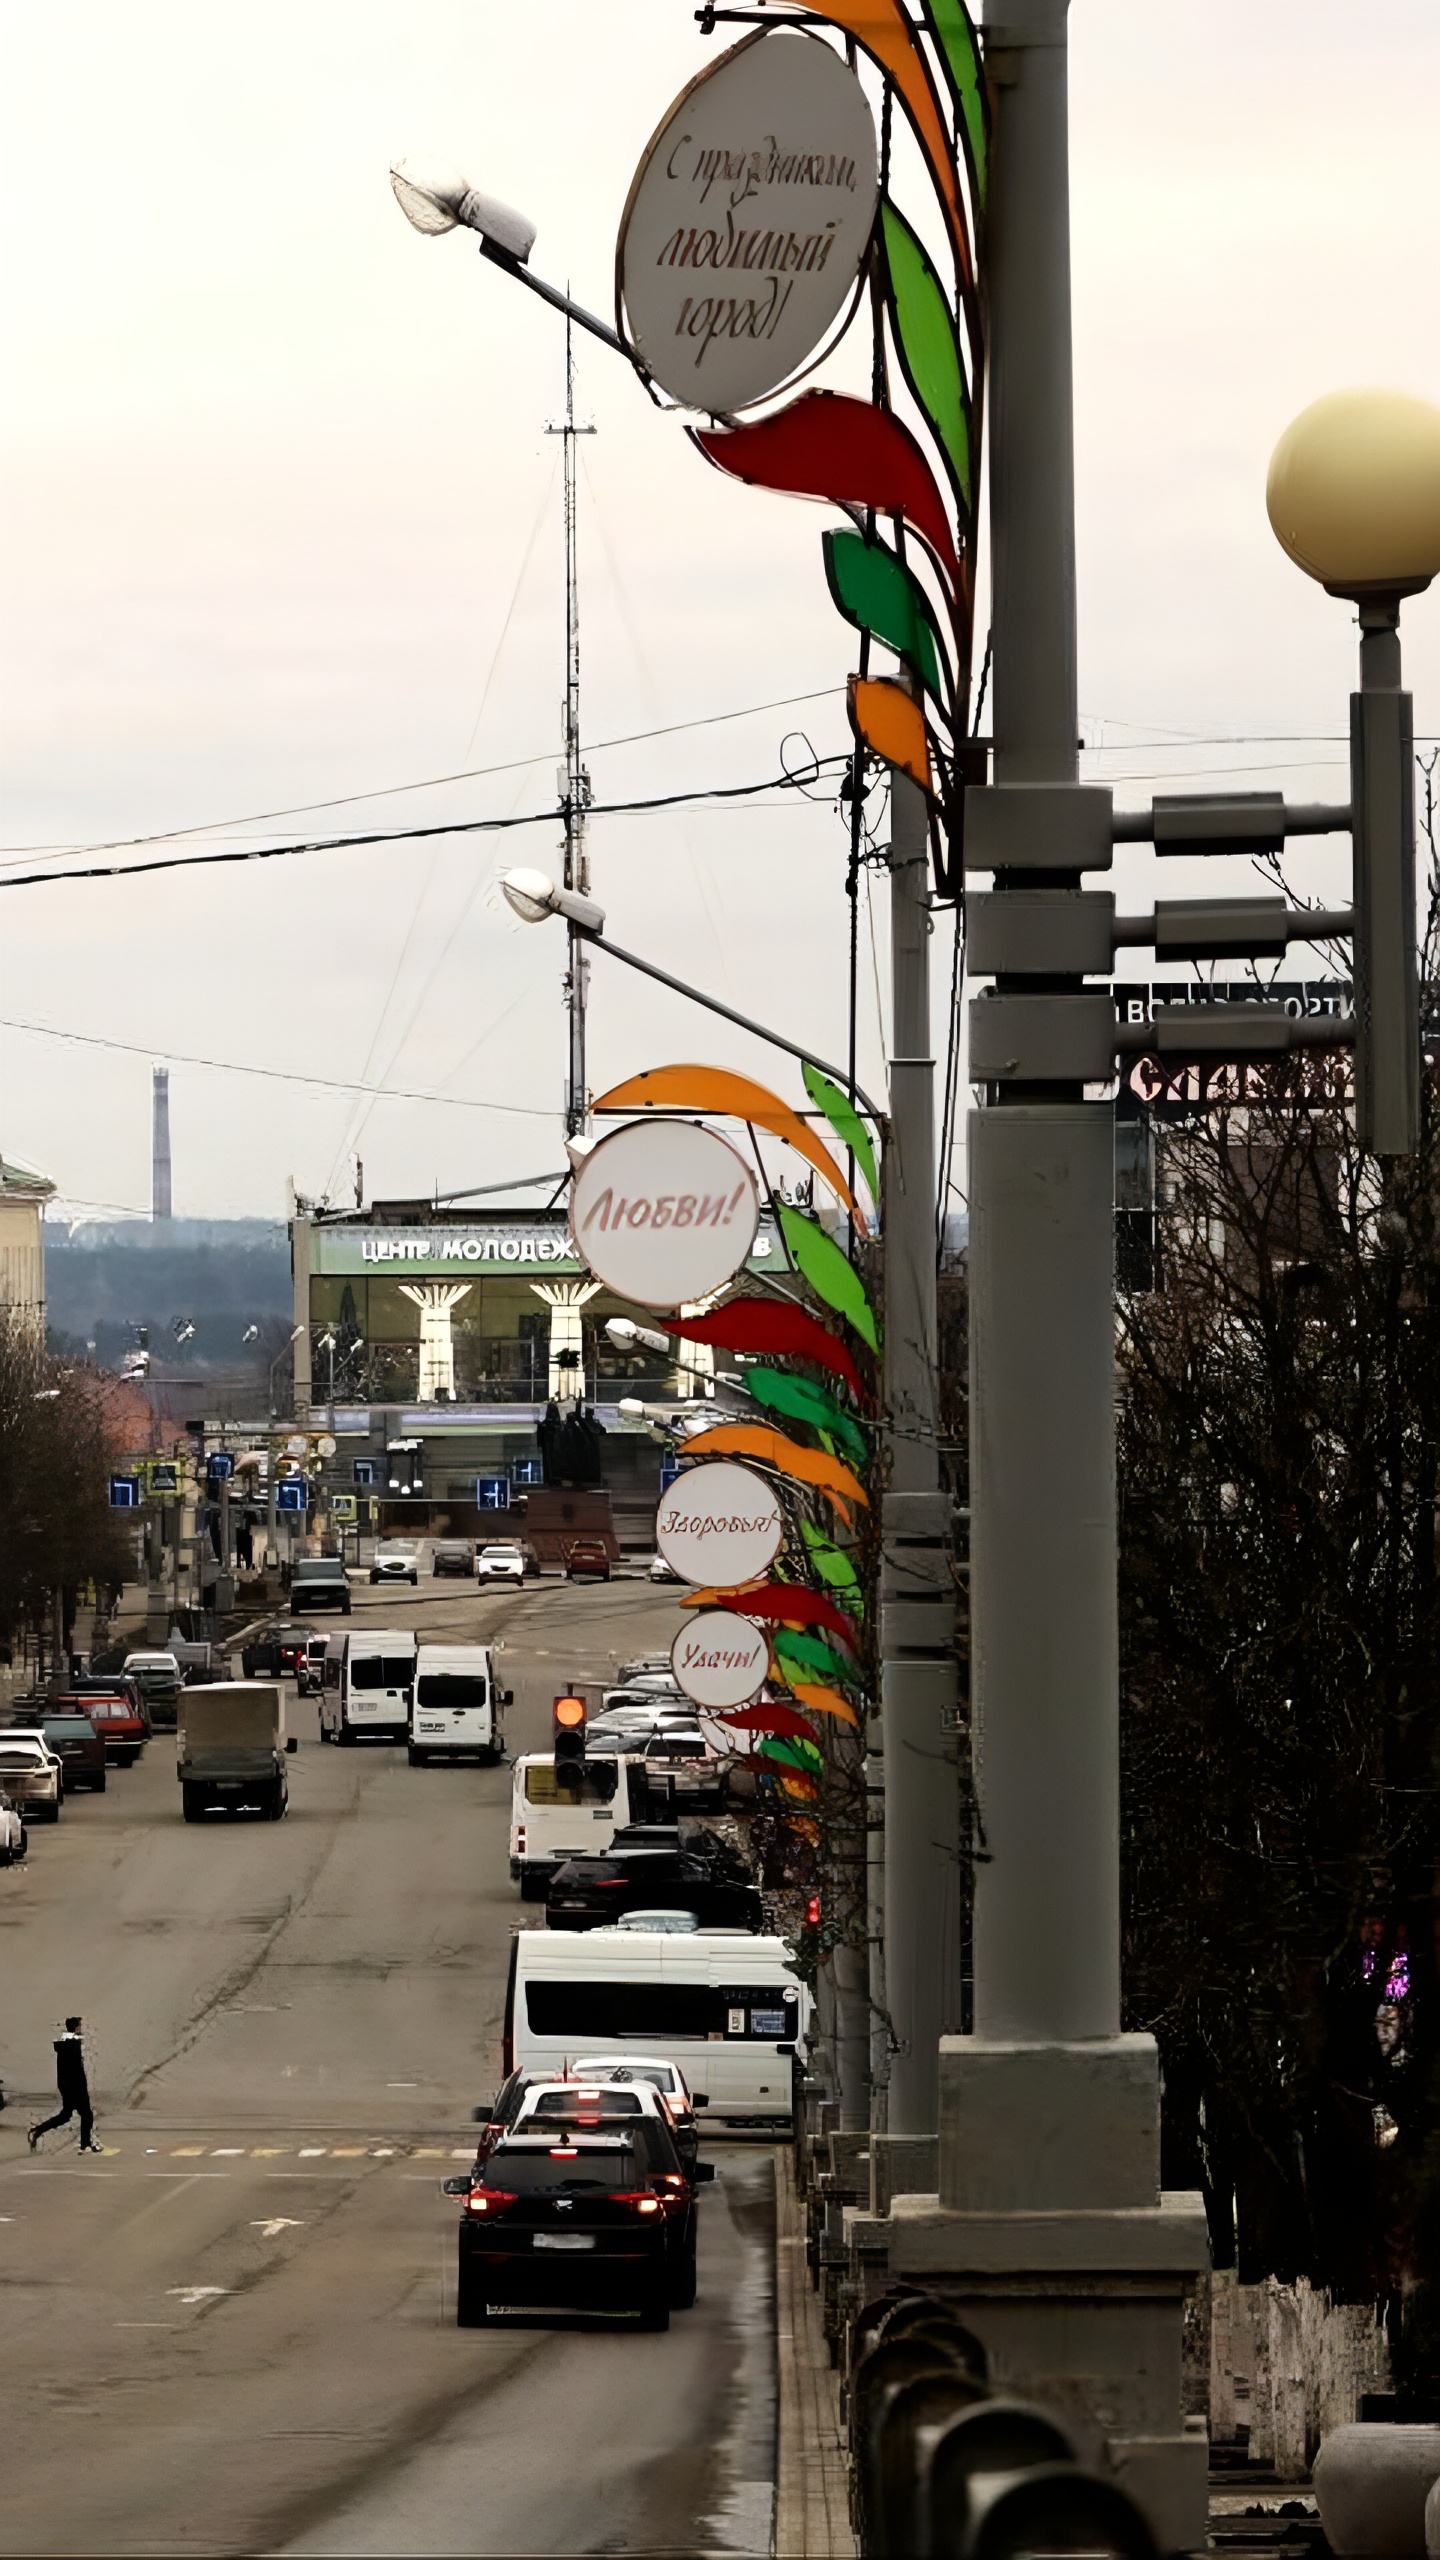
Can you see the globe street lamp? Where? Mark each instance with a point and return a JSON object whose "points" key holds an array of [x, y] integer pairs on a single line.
{"points": [[1353, 496]]}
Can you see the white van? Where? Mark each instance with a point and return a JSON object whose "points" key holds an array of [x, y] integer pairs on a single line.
{"points": [[458, 1712], [550, 1822], [729, 2009], [369, 1685]]}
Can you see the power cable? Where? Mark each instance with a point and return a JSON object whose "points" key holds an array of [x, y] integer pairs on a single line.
{"points": [[415, 835], [432, 782], [274, 1075]]}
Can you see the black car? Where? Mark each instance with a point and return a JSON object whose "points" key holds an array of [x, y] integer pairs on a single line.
{"points": [[76, 1744], [318, 1582], [273, 1651], [577, 2225], [453, 1555], [653, 1871]]}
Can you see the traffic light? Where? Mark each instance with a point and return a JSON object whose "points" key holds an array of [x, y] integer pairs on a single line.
{"points": [[568, 1729]]}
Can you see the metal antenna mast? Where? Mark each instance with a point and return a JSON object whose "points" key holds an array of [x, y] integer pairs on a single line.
{"points": [[573, 778]]}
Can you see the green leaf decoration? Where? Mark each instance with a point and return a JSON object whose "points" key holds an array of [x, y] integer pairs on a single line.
{"points": [[929, 349], [831, 1562], [808, 1657], [801, 1401], [954, 32], [844, 1119], [876, 592], [831, 1277], [796, 1755]]}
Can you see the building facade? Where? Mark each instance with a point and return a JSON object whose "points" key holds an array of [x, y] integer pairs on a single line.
{"points": [[23, 1194]]}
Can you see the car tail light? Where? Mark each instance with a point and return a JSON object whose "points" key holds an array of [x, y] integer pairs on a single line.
{"points": [[635, 2202], [565, 2151], [489, 2200]]}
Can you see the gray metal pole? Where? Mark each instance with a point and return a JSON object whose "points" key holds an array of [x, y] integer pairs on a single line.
{"points": [[1382, 797], [917, 1674], [1045, 1680]]}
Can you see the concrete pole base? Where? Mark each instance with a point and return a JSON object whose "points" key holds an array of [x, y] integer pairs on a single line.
{"points": [[1050, 2236]]}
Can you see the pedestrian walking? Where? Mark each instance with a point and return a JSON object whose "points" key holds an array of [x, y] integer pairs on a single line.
{"points": [[73, 2089]]}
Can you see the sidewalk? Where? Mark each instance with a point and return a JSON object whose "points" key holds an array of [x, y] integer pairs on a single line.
{"points": [[812, 2515]]}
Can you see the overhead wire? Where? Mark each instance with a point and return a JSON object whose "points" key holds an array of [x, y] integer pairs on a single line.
{"points": [[272, 1075]]}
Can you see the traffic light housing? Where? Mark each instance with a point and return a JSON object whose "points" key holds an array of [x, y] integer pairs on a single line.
{"points": [[568, 1721]]}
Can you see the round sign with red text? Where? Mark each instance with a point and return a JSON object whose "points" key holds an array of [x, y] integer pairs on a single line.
{"points": [[719, 1524], [663, 1212], [720, 1659]]}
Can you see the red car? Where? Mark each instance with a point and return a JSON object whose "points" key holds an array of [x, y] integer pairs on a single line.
{"points": [[589, 1558], [118, 1721]]}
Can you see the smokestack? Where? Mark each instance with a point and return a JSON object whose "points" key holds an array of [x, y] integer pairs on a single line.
{"points": [[160, 1145]]}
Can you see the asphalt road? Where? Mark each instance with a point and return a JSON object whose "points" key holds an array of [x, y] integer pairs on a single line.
{"points": [[234, 2330]]}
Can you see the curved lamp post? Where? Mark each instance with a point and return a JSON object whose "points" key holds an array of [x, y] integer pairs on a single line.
{"points": [[1353, 496]]}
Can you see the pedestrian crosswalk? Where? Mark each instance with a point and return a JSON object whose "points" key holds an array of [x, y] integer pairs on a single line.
{"points": [[279, 2151]]}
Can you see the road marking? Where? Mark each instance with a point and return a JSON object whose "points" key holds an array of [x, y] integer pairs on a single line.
{"points": [[382, 2155], [313, 2153], [227, 2151], [193, 2293], [188, 2151], [426, 2152], [278, 2153], [355, 2151], [278, 2222], [459, 2155]]}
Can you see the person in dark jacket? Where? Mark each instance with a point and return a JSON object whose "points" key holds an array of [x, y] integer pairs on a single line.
{"points": [[73, 2089]]}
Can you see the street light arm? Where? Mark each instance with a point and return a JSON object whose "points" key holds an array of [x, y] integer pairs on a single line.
{"points": [[558, 301], [712, 1004]]}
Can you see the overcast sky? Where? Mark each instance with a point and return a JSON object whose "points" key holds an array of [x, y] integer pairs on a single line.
{"points": [[282, 527]]}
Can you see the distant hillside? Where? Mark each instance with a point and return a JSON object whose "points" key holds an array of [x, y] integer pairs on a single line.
{"points": [[220, 1274]]}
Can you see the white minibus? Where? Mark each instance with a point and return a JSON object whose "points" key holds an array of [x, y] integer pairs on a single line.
{"points": [[458, 1712], [728, 2008], [369, 1685], [552, 1819]]}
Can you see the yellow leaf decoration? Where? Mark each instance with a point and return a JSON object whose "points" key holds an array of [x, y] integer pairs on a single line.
{"points": [[740, 1098]]}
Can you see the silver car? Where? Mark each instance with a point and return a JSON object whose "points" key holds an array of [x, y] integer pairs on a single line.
{"points": [[31, 1776]]}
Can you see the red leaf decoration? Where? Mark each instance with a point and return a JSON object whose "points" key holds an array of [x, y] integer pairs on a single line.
{"points": [[826, 445], [773, 1325], [791, 1604], [771, 1719]]}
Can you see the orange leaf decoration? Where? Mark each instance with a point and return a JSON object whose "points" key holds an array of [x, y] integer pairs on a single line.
{"points": [[807, 1466], [821, 1702], [888, 720], [716, 1089]]}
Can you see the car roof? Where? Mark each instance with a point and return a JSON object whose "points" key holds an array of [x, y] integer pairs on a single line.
{"points": [[533, 2145]]}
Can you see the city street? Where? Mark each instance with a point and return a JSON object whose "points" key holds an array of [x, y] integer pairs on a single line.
{"points": [[234, 2330]]}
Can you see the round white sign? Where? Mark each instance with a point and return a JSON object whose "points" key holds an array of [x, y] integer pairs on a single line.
{"points": [[747, 221], [297, 1445], [663, 1212], [325, 1445], [719, 1524], [719, 1659]]}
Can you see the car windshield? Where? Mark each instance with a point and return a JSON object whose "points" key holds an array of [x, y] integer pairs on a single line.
{"points": [[14, 1759], [319, 1569], [501, 1555], [70, 1728], [382, 1671], [661, 2075], [452, 1689], [577, 2167]]}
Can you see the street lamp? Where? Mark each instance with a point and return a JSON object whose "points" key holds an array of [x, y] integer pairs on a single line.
{"points": [[436, 198], [1353, 496], [275, 1363], [534, 897]]}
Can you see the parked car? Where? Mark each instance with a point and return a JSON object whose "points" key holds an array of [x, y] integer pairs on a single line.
{"points": [[78, 1747], [453, 1555], [13, 1841], [647, 1870], [115, 1684], [319, 1582], [31, 1774], [117, 1719], [570, 2226], [501, 1561], [395, 1560], [587, 1560], [660, 1571], [157, 1677]]}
